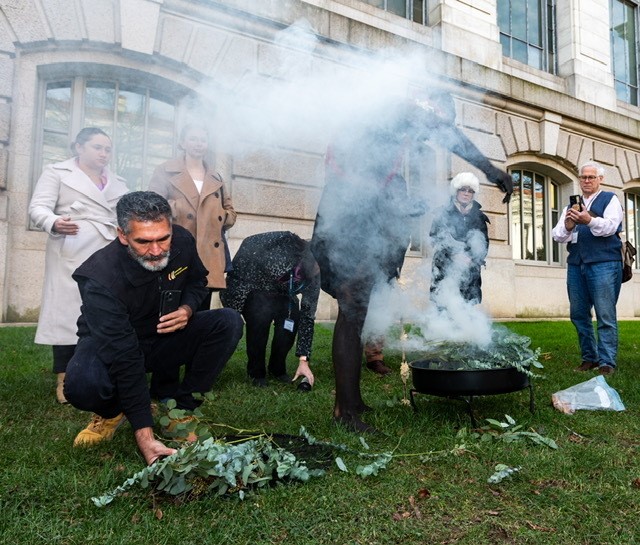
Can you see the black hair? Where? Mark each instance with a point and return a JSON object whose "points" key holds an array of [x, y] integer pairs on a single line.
{"points": [[85, 135], [308, 261], [142, 206]]}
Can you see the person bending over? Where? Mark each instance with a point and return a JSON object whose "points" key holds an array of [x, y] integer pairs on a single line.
{"points": [[269, 271]]}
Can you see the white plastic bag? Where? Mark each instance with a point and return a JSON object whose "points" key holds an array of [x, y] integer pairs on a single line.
{"points": [[594, 394]]}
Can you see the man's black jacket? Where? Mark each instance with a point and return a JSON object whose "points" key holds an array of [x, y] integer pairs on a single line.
{"points": [[120, 308]]}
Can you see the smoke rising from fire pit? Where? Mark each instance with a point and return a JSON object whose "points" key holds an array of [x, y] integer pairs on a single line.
{"points": [[298, 101]]}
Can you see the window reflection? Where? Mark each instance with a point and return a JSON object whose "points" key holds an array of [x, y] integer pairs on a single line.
{"points": [[140, 122], [527, 32], [624, 39], [415, 10], [534, 211]]}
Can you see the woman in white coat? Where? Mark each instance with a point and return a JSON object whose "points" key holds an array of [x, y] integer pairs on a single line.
{"points": [[75, 203]]}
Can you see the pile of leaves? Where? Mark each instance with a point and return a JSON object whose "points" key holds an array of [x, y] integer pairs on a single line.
{"points": [[506, 349], [219, 468], [235, 466]]}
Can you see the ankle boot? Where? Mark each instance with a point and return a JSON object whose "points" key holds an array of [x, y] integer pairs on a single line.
{"points": [[60, 389]]}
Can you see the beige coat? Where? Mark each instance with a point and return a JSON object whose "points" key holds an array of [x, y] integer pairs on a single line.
{"points": [[65, 190], [204, 214]]}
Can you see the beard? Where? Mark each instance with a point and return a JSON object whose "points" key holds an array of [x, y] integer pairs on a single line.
{"points": [[151, 263]]}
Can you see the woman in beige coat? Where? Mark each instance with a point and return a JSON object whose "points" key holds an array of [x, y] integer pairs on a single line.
{"points": [[199, 202], [74, 202]]}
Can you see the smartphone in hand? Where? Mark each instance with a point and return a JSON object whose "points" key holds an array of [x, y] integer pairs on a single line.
{"points": [[576, 202], [169, 301]]}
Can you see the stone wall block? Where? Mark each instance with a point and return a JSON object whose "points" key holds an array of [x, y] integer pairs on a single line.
{"points": [[4, 173], [478, 118], [302, 169], [5, 121], [533, 135], [575, 149], [6, 35], [174, 37], [25, 19], [266, 199], [6, 75], [520, 134], [206, 50], [139, 24], [63, 19], [258, 165], [505, 132], [604, 153], [490, 145], [622, 160], [498, 228], [338, 28], [100, 21], [4, 205], [239, 60], [563, 145], [633, 161]]}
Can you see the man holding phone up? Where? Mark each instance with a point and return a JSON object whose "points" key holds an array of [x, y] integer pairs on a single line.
{"points": [[125, 333], [590, 226]]}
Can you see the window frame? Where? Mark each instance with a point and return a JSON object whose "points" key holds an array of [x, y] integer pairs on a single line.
{"points": [[550, 214], [409, 12], [78, 74], [548, 35], [632, 233], [632, 70]]}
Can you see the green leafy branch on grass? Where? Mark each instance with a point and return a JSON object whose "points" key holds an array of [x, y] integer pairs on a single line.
{"points": [[509, 432], [501, 473], [380, 461], [212, 467]]}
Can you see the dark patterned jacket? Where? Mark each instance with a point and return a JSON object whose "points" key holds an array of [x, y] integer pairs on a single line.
{"points": [[263, 263]]}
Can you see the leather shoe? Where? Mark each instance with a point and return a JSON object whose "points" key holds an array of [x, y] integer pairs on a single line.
{"points": [[587, 366], [260, 382], [606, 370], [378, 367]]}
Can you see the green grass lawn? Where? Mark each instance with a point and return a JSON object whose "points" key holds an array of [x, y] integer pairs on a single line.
{"points": [[586, 492]]}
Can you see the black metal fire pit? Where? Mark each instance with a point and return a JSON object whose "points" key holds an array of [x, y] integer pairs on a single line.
{"points": [[446, 379]]}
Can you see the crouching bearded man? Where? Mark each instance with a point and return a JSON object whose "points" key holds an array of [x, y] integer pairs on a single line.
{"points": [[123, 334]]}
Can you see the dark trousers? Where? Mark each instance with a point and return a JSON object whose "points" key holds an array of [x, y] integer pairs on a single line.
{"points": [[62, 353], [204, 346], [353, 302], [261, 309]]}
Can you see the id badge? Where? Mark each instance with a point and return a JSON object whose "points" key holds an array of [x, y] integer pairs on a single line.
{"points": [[288, 325]]}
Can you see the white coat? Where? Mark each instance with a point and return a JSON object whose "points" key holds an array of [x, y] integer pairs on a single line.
{"points": [[65, 190]]}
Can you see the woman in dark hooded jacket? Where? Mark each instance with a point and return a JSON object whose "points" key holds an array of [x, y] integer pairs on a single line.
{"points": [[461, 241]]}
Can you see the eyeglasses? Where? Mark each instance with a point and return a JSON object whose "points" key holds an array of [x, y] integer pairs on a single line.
{"points": [[590, 178], [466, 190]]}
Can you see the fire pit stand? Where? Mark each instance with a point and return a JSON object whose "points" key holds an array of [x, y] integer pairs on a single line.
{"points": [[437, 379]]}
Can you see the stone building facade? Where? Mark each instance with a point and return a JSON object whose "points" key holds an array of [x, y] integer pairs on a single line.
{"points": [[60, 60]]}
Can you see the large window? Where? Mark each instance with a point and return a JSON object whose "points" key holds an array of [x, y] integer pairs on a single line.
{"points": [[624, 49], [534, 212], [416, 10], [528, 32], [140, 121], [632, 218]]}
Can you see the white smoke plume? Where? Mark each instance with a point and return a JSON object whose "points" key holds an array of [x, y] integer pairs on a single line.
{"points": [[302, 101]]}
